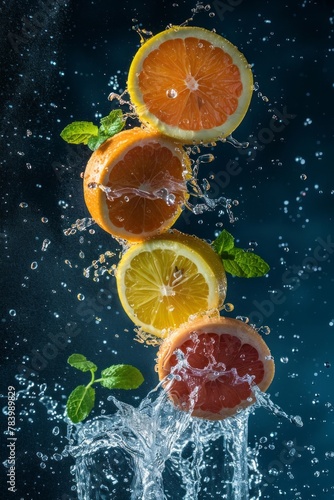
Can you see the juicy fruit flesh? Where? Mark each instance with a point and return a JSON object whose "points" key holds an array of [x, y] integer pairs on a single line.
{"points": [[147, 189], [217, 371], [192, 96], [171, 288]]}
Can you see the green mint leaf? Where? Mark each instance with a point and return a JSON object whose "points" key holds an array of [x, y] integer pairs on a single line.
{"points": [[245, 264], [121, 377], [223, 243], [80, 403], [80, 362], [79, 132], [113, 123], [95, 142]]}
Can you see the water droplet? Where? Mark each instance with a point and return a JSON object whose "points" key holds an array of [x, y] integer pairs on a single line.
{"points": [[297, 420], [171, 93], [265, 330], [208, 158], [244, 319], [273, 472], [228, 307], [45, 244]]}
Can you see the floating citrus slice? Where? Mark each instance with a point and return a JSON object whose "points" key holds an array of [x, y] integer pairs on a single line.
{"points": [[135, 184], [190, 84], [164, 281], [215, 363]]}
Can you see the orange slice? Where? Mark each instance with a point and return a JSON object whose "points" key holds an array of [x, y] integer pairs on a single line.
{"points": [[215, 363], [162, 282], [190, 84], [135, 184]]}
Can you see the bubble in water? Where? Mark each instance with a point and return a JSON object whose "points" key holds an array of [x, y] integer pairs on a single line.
{"points": [[284, 359], [327, 364], [12, 312], [303, 177], [171, 93], [80, 296], [55, 431], [23, 204], [33, 265], [44, 220]]}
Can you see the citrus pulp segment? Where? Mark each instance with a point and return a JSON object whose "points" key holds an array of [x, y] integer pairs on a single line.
{"points": [[135, 184], [190, 84], [215, 362], [167, 279]]}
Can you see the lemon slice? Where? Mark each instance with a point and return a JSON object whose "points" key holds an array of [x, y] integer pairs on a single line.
{"points": [[165, 281]]}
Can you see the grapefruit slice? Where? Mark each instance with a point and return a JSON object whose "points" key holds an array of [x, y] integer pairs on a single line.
{"points": [[214, 364]]}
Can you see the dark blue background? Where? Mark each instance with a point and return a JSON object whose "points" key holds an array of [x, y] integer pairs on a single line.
{"points": [[58, 72]]}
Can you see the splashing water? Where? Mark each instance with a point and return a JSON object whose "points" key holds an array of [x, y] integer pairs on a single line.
{"points": [[154, 450]]}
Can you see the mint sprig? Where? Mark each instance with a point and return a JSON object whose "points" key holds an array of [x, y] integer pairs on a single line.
{"points": [[92, 135], [82, 399], [237, 261]]}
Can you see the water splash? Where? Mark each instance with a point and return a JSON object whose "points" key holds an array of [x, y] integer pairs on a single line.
{"points": [[154, 450]]}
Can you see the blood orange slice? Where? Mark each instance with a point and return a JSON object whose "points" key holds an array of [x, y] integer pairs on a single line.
{"points": [[215, 362]]}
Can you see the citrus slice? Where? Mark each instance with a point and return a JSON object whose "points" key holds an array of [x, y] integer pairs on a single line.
{"points": [[190, 84], [215, 363], [164, 281], [135, 184]]}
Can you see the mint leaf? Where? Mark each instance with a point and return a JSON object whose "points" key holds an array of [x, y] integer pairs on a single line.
{"points": [[80, 362], [95, 142], [245, 264], [80, 403], [113, 123], [223, 243], [79, 132], [237, 261], [121, 377]]}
